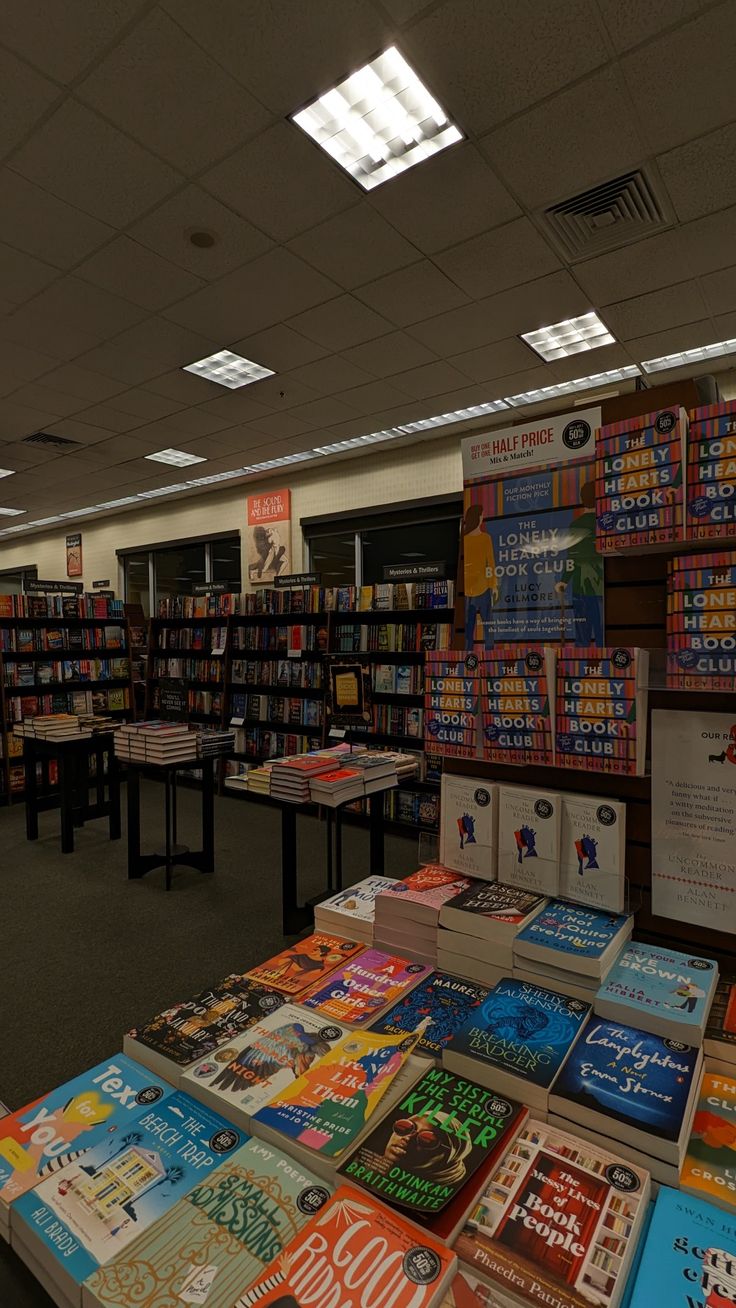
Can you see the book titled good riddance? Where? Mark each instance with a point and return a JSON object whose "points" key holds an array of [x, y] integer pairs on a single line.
{"points": [[558, 1223], [592, 852], [216, 1239], [529, 839], [709, 1170], [659, 990], [518, 1040], [468, 831]]}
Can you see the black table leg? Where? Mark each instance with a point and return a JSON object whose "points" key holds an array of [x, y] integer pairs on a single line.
{"points": [[376, 815], [134, 823], [113, 791], [67, 788], [31, 789], [208, 815]]}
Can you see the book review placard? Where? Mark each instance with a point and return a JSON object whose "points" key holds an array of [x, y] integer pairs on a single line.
{"points": [[694, 817]]}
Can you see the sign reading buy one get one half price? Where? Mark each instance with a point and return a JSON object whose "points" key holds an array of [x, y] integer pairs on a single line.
{"points": [[541, 442]]}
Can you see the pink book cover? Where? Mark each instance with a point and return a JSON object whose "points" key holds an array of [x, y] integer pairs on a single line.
{"points": [[433, 885]]}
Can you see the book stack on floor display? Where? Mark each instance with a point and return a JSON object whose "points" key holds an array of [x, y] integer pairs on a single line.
{"points": [[351, 912], [407, 915], [708, 1170], [719, 1045], [478, 929], [659, 990], [54, 726], [570, 948], [157, 743], [339, 785], [290, 779]]}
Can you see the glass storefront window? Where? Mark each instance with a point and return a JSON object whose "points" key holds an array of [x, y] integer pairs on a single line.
{"points": [[419, 542], [137, 588], [226, 562], [334, 558], [178, 569]]}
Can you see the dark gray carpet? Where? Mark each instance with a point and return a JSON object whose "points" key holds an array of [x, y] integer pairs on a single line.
{"points": [[87, 953]]}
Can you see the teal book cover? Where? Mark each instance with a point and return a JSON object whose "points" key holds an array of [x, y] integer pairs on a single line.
{"points": [[649, 979], [689, 1258], [573, 931]]}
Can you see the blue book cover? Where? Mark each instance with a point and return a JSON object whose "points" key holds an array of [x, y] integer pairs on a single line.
{"points": [[573, 931], [689, 1258], [629, 1076], [524, 1030], [648, 983], [85, 1214], [636, 1260], [445, 1000]]}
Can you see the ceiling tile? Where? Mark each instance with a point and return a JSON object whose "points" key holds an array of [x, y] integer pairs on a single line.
{"points": [[452, 197], [129, 269], [402, 11], [282, 392], [22, 276], [323, 412], [643, 314], [460, 329], [499, 259], [105, 415], [162, 344], [354, 247], [279, 425], [285, 53], [87, 386], [674, 338], [600, 360], [701, 176], [185, 387], [373, 396], [533, 155], [132, 369], [188, 423], [719, 290], [279, 347], [390, 354], [38, 396], [264, 292], [31, 327], [698, 58], [145, 404], [629, 21], [18, 420], [168, 230], [341, 323], [430, 379], [535, 304], [236, 407], [85, 432], [418, 292], [39, 223], [25, 95], [72, 304], [161, 88], [82, 159], [496, 360], [335, 373], [63, 39], [485, 62]]}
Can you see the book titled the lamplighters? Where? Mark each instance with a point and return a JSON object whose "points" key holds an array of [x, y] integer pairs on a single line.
{"points": [[451, 703], [593, 851], [639, 481], [709, 1170], [529, 839], [701, 621], [601, 714], [517, 704], [468, 825], [659, 990], [711, 472], [689, 1259]]}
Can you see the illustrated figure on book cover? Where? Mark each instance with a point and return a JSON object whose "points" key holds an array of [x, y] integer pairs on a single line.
{"points": [[466, 830], [291, 1047], [526, 844], [586, 848]]}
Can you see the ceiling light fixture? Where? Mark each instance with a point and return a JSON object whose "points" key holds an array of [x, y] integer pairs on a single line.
{"points": [[12, 513], [379, 121], [684, 357], [7, 472], [580, 384], [571, 336], [228, 369], [177, 458]]}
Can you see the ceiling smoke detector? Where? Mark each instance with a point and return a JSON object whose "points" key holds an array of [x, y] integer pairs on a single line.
{"points": [[616, 213]]}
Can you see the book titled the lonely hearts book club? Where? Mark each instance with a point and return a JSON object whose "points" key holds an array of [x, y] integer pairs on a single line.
{"points": [[601, 709], [640, 481], [517, 704], [659, 990]]}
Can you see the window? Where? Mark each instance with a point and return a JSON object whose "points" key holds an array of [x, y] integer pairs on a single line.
{"points": [[422, 532], [137, 581], [174, 568], [179, 569], [11, 582], [420, 542], [226, 562], [333, 557]]}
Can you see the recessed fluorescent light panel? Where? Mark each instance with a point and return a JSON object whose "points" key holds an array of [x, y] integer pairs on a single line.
{"points": [[378, 122], [177, 458], [684, 357], [7, 472], [580, 384], [11, 513], [228, 369], [571, 336]]}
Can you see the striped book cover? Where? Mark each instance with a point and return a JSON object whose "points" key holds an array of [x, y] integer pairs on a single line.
{"points": [[701, 621], [600, 711], [639, 481], [451, 702], [517, 704], [711, 471]]}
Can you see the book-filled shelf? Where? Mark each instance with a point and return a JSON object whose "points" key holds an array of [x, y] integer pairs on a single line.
{"points": [[59, 653]]}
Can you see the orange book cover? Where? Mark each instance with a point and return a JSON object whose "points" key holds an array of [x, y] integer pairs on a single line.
{"points": [[299, 967]]}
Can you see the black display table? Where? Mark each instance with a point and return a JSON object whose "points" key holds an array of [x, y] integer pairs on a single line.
{"points": [[72, 796], [202, 860]]}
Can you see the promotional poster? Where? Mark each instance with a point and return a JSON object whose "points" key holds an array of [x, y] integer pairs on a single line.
{"points": [[269, 537]]}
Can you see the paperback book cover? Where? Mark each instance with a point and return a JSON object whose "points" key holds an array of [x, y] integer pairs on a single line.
{"points": [[659, 990], [517, 704], [59, 1127], [355, 1251], [600, 720], [426, 1149], [440, 1005], [468, 825], [451, 703], [296, 969], [709, 1170], [195, 1027], [88, 1211], [245, 1074], [720, 1030], [429, 887], [559, 1222], [362, 988], [468, 1291], [701, 620], [217, 1238], [639, 481], [529, 839], [573, 938], [593, 852], [631, 1086], [490, 911], [711, 472], [355, 907], [689, 1259], [328, 1105]]}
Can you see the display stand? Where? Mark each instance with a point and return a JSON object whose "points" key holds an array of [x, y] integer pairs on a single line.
{"points": [[72, 795], [202, 860]]}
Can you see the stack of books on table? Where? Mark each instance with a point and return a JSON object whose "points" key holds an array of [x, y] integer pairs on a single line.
{"points": [[52, 726], [98, 724], [156, 742], [213, 744], [570, 948], [291, 777], [351, 912], [258, 779], [478, 927], [659, 990], [336, 785], [407, 915], [378, 770]]}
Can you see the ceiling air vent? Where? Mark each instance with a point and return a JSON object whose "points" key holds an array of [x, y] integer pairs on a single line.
{"points": [[618, 212], [47, 438]]}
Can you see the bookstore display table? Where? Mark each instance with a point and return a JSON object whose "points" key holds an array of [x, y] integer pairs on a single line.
{"points": [[202, 860], [72, 797]]}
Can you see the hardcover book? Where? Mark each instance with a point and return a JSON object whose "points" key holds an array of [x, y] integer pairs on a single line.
{"points": [[720, 1030], [631, 1086], [701, 619], [517, 704], [355, 1251], [451, 703], [659, 990], [570, 938], [59, 1127], [89, 1210], [468, 826], [640, 481], [242, 1076], [529, 839], [709, 1170], [689, 1259], [441, 1003], [593, 852], [518, 1040], [361, 989], [423, 1152], [711, 471], [558, 1222], [296, 969], [601, 709]]}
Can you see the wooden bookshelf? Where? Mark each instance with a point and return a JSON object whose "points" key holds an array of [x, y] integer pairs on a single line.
{"points": [[158, 681]]}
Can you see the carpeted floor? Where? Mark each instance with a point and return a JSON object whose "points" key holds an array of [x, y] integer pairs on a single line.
{"points": [[86, 954]]}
